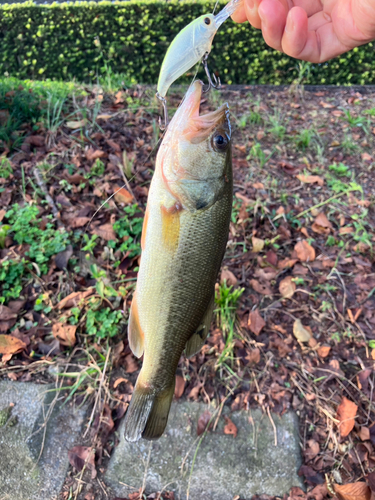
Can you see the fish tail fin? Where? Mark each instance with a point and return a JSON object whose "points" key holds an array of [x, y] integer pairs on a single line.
{"points": [[148, 411]]}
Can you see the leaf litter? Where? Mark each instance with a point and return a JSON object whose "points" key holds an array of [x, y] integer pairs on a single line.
{"points": [[301, 245]]}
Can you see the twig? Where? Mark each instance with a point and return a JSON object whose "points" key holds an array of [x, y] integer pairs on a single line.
{"points": [[146, 470], [49, 199], [273, 425], [321, 204], [98, 395]]}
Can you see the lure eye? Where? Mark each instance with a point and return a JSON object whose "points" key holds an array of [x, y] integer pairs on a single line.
{"points": [[220, 142], [207, 20]]}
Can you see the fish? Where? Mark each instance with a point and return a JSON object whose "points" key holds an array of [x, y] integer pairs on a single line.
{"points": [[183, 242], [190, 45]]}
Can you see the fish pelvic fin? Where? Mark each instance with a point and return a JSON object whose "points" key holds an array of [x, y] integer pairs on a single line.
{"points": [[135, 333], [196, 341], [148, 412]]}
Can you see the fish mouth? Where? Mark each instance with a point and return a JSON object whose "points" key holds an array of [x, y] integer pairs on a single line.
{"points": [[200, 127]]}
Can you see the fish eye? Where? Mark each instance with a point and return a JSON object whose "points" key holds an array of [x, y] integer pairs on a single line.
{"points": [[220, 142], [207, 20]]}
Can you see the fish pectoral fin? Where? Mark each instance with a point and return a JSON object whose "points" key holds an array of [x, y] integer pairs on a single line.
{"points": [[135, 334], [194, 344]]}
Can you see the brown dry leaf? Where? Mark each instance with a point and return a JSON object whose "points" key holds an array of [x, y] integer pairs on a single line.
{"points": [[364, 434], [10, 345], [254, 356], [73, 299], [179, 387], [78, 222], [66, 334], [301, 333], [287, 287], [256, 323], [346, 230], [6, 314], [122, 195], [323, 351], [305, 252], [260, 287], [92, 154], [321, 224], [366, 157], [311, 179], [258, 244], [230, 427], [282, 264], [79, 456], [203, 422], [118, 382], [106, 232], [346, 412], [326, 105], [75, 124], [229, 277], [352, 491], [131, 364], [258, 185]]}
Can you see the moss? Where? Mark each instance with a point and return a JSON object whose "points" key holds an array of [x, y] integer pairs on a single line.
{"points": [[4, 415]]}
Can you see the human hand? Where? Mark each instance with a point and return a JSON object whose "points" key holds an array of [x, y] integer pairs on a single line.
{"points": [[311, 30]]}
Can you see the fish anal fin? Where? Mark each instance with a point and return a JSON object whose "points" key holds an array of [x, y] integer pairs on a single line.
{"points": [[194, 344], [135, 334]]}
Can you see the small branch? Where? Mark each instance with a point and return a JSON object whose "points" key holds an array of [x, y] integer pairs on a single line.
{"points": [[48, 197]]}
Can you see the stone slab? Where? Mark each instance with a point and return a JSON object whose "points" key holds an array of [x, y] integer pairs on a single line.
{"points": [[22, 476], [224, 466]]}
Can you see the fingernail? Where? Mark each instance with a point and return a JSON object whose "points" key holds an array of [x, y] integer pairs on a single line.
{"points": [[327, 17], [263, 19], [251, 4], [289, 24]]}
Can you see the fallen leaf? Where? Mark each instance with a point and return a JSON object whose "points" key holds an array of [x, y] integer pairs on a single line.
{"points": [[305, 252], [62, 258], [352, 491], [323, 351], [79, 222], [321, 224], [258, 185], [283, 264], [229, 277], [260, 287], [79, 456], [35, 140], [301, 333], [179, 387], [73, 299], [311, 179], [326, 105], [258, 244], [203, 422], [366, 157], [255, 322], [312, 449], [131, 364], [287, 287], [122, 195], [230, 427], [346, 412], [10, 345], [118, 382], [364, 433], [75, 124], [92, 154], [66, 334], [106, 232], [6, 313], [253, 356]]}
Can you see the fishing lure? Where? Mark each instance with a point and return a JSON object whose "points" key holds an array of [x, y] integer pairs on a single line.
{"points": [[192, 44]]}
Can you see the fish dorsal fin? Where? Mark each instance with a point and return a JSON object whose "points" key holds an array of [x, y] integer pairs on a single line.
{"points": [[135, 334], [194, 344]]}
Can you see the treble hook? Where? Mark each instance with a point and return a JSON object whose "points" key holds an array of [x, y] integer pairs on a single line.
{"points": [[163, 101], [216, 83]]}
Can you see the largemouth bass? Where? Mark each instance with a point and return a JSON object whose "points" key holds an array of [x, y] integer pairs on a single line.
{"points": [[183, 242]]}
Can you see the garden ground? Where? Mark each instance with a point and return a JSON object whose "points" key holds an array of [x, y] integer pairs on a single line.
{"points": [[295, 320]]}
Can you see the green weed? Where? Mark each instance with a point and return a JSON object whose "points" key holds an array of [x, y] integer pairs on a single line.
{"points": [[257, 153], [103, 323], [129, 230], [6, 169]]}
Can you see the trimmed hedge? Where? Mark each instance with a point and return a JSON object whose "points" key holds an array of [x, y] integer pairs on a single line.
{"points": [[58, 41]]}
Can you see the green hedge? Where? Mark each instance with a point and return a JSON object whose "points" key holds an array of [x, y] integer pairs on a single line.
{"points": [[58, 41]]}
